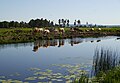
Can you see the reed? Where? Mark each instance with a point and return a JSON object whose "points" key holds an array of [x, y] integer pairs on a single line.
{"points": [[104, 60], [105, 69]]}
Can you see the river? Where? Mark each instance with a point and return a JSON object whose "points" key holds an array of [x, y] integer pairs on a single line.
{"points": [[51, 61]]}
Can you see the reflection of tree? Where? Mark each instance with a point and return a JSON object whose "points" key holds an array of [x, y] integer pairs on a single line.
{"points": [[17, 45], [104, 60]]}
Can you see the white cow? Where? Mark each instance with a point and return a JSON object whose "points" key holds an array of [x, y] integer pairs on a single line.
{"points": [[46, 31], [62, 30], [92, 29], [40, 29], [99, 29]]}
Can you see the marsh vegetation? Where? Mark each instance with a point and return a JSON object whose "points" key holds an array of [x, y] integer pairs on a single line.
{"points": [[106, 67]]}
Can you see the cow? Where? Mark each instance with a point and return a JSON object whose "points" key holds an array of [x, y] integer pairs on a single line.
{"points": [[61, 30], [72, 29], [99, 29], [38, 29], [92, 29], [46, 31]]}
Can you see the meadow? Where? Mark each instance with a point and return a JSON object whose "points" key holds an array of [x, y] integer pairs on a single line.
{"points": [[19, 35]]}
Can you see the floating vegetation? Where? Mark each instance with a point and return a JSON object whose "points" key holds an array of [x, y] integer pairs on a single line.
{"points": [[70, 73], [11, 81], [1, 77], [34, 69], [48, 71], [42, 77], [59, 80], [30, 78]]}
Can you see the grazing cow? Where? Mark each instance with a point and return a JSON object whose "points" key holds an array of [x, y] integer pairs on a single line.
{"points": [[56, 31], [92, 29], [35, 29], [99, 29], [46, 31], [72, 29], [87, 30], [61, 30], [38, 29]]}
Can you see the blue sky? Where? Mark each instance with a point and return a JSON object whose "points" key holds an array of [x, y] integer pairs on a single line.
{"points": [[92, 11]]}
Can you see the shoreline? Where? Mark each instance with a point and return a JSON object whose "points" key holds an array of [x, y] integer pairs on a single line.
{"points": [[19, 35]]}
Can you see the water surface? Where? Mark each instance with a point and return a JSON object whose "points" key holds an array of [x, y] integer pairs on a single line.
{"points": [[54, 58]]}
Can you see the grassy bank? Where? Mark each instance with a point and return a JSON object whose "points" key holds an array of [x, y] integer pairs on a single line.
{"points": [[111, 76], [15, 35]]}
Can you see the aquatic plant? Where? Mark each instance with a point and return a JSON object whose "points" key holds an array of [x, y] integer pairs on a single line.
{"points": [[82, 79], [106, 68], [106, 64], [113, 76], [104, 60]]}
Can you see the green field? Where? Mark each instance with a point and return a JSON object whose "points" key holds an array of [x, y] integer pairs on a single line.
{"points": [[16, 35]]}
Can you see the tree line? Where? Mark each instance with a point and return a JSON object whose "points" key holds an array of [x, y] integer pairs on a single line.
{"points": [[32, 23], [40, 23]]}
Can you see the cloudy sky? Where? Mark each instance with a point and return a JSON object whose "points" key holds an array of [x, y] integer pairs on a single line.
{"points": [[92, 11]]}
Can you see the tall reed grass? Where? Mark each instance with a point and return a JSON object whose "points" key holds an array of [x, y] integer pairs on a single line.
{"points": [[105, 59], [105, 69]]}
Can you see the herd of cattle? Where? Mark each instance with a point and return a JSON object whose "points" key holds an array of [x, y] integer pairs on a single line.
{"points": [[61, 30], [46, 31]]}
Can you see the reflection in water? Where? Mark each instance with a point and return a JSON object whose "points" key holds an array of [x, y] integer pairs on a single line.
{"points": [[104, 60], [98, 40], [55, 42], [16, 45], [61, 42], [75, 41], [44, 44], [53, 63]]}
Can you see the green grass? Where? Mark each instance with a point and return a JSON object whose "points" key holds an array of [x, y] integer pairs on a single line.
{"points": [[12, 35], [112, 76]]}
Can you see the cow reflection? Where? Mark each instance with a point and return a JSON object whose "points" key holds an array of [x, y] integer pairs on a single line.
{"points": [[53, 43], [35, 48], [61, 42], [44, 44], [75, 41], [37, 45]]}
